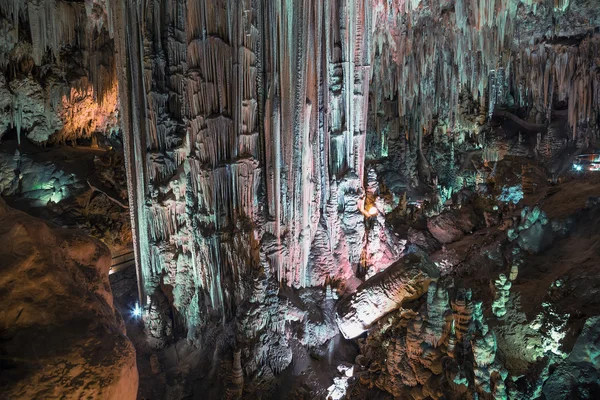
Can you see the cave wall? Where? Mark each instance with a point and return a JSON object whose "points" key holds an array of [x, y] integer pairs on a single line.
{"points": [[267, 142], [253, 115], [247, 124], [58, 80], [442, 70]]}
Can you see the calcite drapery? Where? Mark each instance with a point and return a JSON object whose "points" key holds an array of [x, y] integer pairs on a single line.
{"points": [[245, 130], [428, 52], [246, 122]]}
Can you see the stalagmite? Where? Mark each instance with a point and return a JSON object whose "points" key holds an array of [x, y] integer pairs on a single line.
{"points": [[502, 286], [236, 378]]}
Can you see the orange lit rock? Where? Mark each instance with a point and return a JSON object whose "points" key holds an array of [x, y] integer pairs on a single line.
{"points": [[82, 114], [61, 337]]}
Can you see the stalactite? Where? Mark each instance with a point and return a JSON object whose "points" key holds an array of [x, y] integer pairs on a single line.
{"points": [[238, 105], [52, 24], [424, 63]]}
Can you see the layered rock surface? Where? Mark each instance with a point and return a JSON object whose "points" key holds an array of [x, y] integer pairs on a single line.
{"points": [[405, 280], [61, 337]]}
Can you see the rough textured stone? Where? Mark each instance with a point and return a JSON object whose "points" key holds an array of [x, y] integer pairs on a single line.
{"points": [[405, 280], [534, 233], [61, 335], [578, 377], [453, 225]]}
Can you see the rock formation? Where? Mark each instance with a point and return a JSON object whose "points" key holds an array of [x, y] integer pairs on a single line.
{"points": [[502, 286], [406, 280], [534, 234], [62, 83], [61, 335], [445, 348], [288, 171], [577, 377]]}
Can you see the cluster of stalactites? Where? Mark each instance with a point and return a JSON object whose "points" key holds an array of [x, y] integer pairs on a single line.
{"points": [[564, 73], [425, 56], [253, 99], [427, 75], [56, 24], [52, 23]]}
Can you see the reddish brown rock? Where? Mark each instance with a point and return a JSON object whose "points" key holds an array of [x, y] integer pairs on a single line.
{"points": [[61, 337], [452, 226]]}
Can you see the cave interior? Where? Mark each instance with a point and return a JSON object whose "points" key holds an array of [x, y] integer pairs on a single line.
{"points": [[300, 199]]}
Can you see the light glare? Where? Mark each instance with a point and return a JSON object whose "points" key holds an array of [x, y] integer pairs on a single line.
{"points": [[137, 311]]}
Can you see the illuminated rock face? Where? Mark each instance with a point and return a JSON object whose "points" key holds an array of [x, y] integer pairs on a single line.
{"points": [[61, 335], [451, 226], [61, 84], [250, 150], [443, 348], [247, 126], [406, 280], [577, 377]]}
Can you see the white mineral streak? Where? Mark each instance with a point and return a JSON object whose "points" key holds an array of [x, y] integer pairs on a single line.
{"points": [[133, 100]]}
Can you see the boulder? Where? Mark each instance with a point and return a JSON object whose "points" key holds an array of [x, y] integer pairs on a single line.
{"points": [[534, 234], [536, 238], [61, 337], [423, 239], [451, 226], [407, 279], [578, 377]]}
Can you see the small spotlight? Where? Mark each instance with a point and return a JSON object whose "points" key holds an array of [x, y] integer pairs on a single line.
{"points": [[577, 167], [373, 211], [137, 311]]}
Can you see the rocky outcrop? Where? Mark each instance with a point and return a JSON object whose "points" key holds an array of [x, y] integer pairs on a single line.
{"points": [[534, 233], [452, 225], [578, 376], [60, 335], [445, 349], [405, 280]]}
